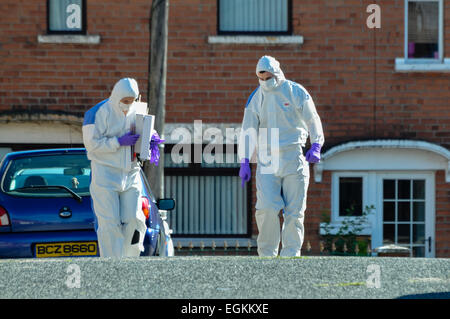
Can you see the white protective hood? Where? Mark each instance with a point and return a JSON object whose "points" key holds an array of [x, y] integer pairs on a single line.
{"points": [[125, 87], [270, 64]]}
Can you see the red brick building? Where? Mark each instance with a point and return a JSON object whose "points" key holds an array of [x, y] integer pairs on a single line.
{"points": [[382, 94]]}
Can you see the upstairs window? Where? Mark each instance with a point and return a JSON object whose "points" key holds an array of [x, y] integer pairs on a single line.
{"points": [[66, 16], [254, 17], [424, 25]]}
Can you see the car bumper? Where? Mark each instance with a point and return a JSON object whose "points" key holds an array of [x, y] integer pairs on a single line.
{"points": [[150, 242], [22, 245]]}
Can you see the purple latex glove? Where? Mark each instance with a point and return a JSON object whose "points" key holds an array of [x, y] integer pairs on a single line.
{"points": [[154, 148], [128, 139], [245, 173], [313, 155]]}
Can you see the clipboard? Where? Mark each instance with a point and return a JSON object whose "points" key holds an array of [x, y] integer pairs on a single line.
{"points": [[143, 125]]}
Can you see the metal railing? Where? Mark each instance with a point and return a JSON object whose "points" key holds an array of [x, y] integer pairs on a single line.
{"points": [[358, 249], [229, 248], [213, 249]]}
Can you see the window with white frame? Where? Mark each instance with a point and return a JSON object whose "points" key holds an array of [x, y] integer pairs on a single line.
{"points": [[255, 17], [349, 194], [66, 16], [424, 30]]}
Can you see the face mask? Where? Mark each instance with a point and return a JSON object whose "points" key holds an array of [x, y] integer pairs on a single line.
{"points": [[269, 84], [125, 107]]}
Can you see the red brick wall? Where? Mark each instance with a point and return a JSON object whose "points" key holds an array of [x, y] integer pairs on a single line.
{"points": [[318, 204], [442, 216], [70, 78], [212, 81]]}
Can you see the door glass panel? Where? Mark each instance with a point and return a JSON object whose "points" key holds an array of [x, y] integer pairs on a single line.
{"points": [[389, 189], [419, 251], [404, 212], [389, 211], [419, 234], [419, 189], [404, 189], [403, 234], [419, 211], [388, 234]]}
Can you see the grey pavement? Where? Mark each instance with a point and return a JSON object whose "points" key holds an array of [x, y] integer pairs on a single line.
{"points": [[225, 277]]}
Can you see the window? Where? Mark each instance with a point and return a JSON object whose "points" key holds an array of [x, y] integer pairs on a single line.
{"points": [[37, 176], [265, 17], [350, 196], [66, 16], [404, 214], [424, 30], [210, 199], [349, 193]]}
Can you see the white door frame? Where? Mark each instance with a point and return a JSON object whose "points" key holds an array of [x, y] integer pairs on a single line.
{"points": [[430, 212]]}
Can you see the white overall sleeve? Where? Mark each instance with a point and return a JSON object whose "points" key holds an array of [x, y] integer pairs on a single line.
{"points": [[313, 121], [249, 133], [94, 139]]}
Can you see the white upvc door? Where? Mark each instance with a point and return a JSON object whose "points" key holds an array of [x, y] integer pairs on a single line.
{"points": [[405, 211]]}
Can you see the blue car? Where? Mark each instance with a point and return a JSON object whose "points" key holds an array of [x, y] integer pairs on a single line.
{"points": [[45, 207]]}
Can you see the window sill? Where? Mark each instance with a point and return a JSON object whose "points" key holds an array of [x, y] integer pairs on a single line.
{"points": [[67, 38], [334, 229], [402, 66], [245, 39]]}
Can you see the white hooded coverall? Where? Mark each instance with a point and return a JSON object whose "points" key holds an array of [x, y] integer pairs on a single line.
{"points": [[289, 109], [115, 186]]}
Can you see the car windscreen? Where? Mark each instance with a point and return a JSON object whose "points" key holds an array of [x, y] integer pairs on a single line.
{"points": [[58, 175]]}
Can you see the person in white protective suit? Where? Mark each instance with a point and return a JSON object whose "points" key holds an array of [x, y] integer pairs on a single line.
{"points": [[115, 174], [287, 112]]}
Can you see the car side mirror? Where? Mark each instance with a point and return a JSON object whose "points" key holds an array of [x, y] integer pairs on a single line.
{"points": [[166, 204]]}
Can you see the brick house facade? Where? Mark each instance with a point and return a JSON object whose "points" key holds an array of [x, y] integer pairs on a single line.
{"points": [[367, 100]]}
